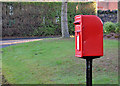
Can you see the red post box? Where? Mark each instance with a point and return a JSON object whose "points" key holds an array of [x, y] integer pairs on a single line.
{"points": [[88, 36]]}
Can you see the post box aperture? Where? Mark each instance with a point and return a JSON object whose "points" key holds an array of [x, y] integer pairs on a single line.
{"points": [[88, 36]]}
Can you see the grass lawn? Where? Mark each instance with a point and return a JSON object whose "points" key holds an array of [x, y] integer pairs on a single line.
{"points": [[52, 61]]}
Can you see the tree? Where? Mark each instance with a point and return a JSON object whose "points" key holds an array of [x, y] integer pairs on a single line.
{"points": [[118, 11], [64, 21]]}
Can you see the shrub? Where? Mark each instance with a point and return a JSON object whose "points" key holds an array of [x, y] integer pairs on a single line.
{"points": [[109, 27], [117, 30]]}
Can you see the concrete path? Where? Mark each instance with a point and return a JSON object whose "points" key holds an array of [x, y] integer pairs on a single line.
{"points": [[9, 42]]}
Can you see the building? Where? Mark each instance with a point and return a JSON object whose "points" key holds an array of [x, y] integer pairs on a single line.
{"points": [[107, 5]]}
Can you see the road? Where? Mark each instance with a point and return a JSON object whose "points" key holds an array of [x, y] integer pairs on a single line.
{"points": [[9, 42]]}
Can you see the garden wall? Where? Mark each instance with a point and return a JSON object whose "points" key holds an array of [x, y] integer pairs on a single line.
{"points": [[40, 18]]}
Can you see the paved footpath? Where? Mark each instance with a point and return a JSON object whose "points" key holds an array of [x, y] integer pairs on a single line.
{"points": [[9, 42]]}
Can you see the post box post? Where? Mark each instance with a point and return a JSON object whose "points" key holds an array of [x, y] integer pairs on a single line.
{"points": [[89, 72]]}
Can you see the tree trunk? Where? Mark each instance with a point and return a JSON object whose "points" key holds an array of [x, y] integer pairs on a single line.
{"points": [[64, 21], [118, 19]]}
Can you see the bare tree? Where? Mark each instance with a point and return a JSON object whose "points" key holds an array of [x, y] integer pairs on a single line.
{"points": [[64, 21], [118, 11]]}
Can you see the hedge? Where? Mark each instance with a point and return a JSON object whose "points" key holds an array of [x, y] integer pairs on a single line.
{"points": [[108, 16], [21, 19]]}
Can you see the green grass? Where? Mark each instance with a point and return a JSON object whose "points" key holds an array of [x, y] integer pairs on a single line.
{"points": [[52, 61]]}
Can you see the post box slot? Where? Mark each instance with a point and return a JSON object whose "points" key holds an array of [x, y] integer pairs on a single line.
{"points": [[76, 22], [78, 31]]}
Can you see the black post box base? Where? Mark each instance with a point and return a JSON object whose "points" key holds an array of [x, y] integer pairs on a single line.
{"points": [[90, 57]]}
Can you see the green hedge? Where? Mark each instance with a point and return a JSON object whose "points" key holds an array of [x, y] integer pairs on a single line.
{"points": [[40, 18]]}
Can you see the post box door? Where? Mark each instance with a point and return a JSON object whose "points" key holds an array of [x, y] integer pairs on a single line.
{"points": [[92, 36]]}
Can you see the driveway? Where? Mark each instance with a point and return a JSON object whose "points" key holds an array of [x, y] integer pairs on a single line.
{"points": [[9, 42]]}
